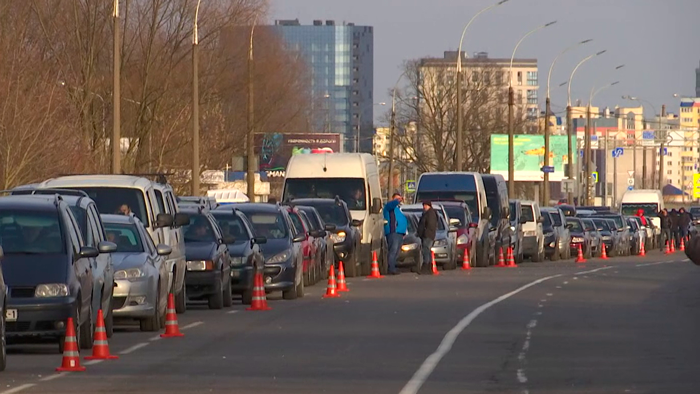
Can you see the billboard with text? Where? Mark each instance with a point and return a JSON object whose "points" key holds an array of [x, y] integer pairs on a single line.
{"points": [[275, 149], [528, 151]]}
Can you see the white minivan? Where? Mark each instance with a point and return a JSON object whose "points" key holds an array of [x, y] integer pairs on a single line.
{"points": [[354, 178], [650, 201], [533, 235], [152, 202]]}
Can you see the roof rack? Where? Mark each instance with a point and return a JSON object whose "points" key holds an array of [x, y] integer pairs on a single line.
{"points": [[66, 192]]}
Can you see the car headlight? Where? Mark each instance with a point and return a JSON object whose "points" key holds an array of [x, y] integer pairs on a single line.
{"points": [[237, 261], [462, 239], [200, 265], [279, 257], [512, 228], [51, 290], [338, 237], [553, 244], [408, 247], [131, 273], [440, 242], [577, 239]]}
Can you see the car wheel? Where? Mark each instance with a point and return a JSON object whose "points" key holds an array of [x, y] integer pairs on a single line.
{"points": [[247, 297], [3, 343], [228, 296], [109, 322], [588, 252], [482, 256], [181, 300], [291, 293], [384, 256], [86, 331], [152, 323], [418, 264], [300, 290], [216, 300]]}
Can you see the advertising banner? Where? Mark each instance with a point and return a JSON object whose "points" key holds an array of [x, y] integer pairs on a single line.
{"points": [[275, 149], [529, 156]]}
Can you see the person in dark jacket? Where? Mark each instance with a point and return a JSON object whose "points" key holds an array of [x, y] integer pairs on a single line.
{"points": [[427, 229], [684, 220], [665, 229], [395, 226], [675, 227]]}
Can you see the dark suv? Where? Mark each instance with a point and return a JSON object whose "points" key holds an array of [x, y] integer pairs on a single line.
{"points": [[283, 255], [497, 200], [208, 273], [48, 270]]}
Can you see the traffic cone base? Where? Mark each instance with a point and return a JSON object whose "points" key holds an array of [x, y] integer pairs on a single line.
{"points": [[332, 289], [342, 285], [434, 268], [465, 260], [71, 355], [374, 273], [580, 258], [172, 330], [603, 253], [642, 251], [501, 259], [259, 299], [668, 247], [682, 247], [511, 258], [673, 246], [100, 347]]}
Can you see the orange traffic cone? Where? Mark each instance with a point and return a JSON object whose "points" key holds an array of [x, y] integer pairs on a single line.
{"points": [[100, 348], [604, 253], [682, 248], [342, 285], [374, 273], [332, 290], [642, 251], [259, 301], [501, 260], [673, 246], [668, 247], [71, 356], [172, 330], [465, 261], [511, 259], [580, 258], [435, 270]]}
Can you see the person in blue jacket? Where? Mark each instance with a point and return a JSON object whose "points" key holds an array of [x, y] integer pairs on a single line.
{"points": [[395, 225]]}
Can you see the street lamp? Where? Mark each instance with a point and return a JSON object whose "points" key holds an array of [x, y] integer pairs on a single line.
{"points": [[460, 126], [250, 141], [392, 131], [644, 151], [587, 153], [511, 103], [116, 96], [195, 104], [548, 111], [569, 122]]}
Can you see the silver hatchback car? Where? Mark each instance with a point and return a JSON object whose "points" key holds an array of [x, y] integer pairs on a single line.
{"points": [[141, 272]]}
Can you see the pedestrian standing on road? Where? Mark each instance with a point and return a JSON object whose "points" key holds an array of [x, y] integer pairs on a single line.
{"points": [[427, 229], [683, 223], [675, 227], [665, 229], [395, 224]]}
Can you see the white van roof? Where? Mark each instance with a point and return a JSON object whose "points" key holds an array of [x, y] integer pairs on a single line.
{"points": [[330, 165], [228, 195], [648, 195], [125, 181]]}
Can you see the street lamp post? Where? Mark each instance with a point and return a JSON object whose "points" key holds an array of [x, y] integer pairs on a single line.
{"points": [[392, 132], [460, 125], [250, 141], [569, 121], [116, 96], [511, 103], [588, 153], [548, 111], [195, 104]]}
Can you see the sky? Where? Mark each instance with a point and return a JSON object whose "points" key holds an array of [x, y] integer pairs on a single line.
{"points": [[658, 41]]}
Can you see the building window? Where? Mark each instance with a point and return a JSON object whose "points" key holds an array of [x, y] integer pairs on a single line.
{"points": [[475, 77], [669, 163], [532, 78], [630, 121], [669, 172], [499, 78], [532, 96], [520, 78]]}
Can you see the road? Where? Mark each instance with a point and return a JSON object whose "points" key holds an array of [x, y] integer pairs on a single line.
{"points": [[625, 325]]}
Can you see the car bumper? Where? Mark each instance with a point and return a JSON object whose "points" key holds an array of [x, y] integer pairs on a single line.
{"points": [[241, 279], [133, 299], [408, 257], [342, 250], [530, 245], [279, 277], [202, 283], [39, 320], [442, 254]]}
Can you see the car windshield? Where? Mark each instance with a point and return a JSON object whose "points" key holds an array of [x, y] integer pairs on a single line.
{"points": [[117, 200], [632, 224], [411, 225], [695, 211], [31, 232], [631, 209], [199, 229], [588, 225], [126, 236], [556, 218], [527, 214], [232, 226], [457, 212], [312, 219], [332, 214], [350, 190], [269, 225], [468, 197], [602, 223], [547, 219], [575, 225], [419, 213]]}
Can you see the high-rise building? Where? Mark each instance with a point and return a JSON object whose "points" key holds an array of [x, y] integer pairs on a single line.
{"points": [[697, 82], [341, 58]]}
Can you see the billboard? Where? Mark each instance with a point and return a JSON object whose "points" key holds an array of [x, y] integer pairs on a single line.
{"points": [[275, 149], [529, 156]]}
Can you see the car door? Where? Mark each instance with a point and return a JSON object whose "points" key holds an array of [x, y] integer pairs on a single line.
{"points": [[82, 267], [222, 255], [103, 272]]}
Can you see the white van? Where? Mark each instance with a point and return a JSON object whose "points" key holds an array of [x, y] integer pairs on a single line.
{"points": [[354, 178], [153, 203], [533, 235], [651, 201]]}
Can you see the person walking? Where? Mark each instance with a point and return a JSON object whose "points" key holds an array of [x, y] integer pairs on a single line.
{"points": [[395, 225], [665, 229], [684, 220], [427, 229]]}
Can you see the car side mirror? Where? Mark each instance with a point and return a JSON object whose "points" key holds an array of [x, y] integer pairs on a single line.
{"points": [[89, 252], [473, 225], [455, 222], [356, 223], [600, 229], [299, 238], [540, 219], [260, 240], [106, 247], [164, 220], [163, 250], [182, 219], [620, 230], [376, 205], [228, 239], [493, 228], [330, 227]]}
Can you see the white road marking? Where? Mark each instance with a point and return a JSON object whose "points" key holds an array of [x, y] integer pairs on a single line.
{"points": [[92, 362], [592, 271], [192, 325], [532, 324], [575, 278], [543, 300], [430, 363], [18, 388], [566, 282], [558, 287], [662, 262], [155, 338], [232, 312], [538, 313], [52, 377], [134, 348], [549, 294], [521, 376]]}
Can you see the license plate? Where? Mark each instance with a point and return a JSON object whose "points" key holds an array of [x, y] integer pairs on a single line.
{"points": [[11, 315]]}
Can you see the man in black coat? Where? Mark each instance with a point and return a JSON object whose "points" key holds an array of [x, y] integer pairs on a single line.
{"points": [[675, 227], [684, 220], [665, 229], [427, 229]]}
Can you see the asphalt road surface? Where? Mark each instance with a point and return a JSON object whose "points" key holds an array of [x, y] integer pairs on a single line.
{"points": [[625, 325]]}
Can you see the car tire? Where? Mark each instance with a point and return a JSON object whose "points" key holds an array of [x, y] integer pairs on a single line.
{"points": [[181, 300], [109, 322], [556, 253], [384, 257], [482, 258], [152, 323], [291, 293], [247, 297], [588, 252], [300, 290], [450, 265], [86, 331], [3, 343], [216, 300], [228, 293]]}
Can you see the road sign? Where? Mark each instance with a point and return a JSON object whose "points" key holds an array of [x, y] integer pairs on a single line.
{"points": [[594, 175], [665, 151], [630, 181], [630, 173], [547, 169], [630, 187], [696, 185], [410, 186], [617, 152], [568, 185]]}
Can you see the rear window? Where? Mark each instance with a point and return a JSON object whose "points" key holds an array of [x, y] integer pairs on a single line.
{"points": [[332, 214], [31, 232], [126, 236], [527, 213], [457, 212], [110, 200], [199, 230], [232, 225], [268, 225]]}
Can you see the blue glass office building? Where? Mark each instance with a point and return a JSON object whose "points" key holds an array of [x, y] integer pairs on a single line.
{"points": [[341, 58]]}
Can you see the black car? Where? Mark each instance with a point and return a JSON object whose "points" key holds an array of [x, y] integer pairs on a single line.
{"points": [[3, 309], [497, 199], [346, 236], [283, 255], [623, 228], [579, 237], [244, 251], [208, 273], [608, 236], [322, 236], [410, 253], [48, 270]]}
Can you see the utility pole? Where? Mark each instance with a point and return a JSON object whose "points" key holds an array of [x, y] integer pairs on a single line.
{"points": [[390, 183], [570, 153], [511, 141], [195, 105], [116, 97], [460, 132], [587, 156], [250, 146], [614, 202], [661, 150], [545, 182], [605, 155]]}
